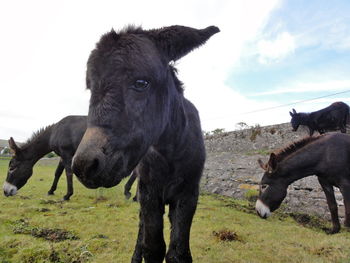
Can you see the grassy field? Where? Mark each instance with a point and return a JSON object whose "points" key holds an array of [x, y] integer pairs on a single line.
{"points": [[100, 226]]}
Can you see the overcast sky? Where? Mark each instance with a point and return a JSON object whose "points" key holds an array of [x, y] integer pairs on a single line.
{"points": [[268, 53]]}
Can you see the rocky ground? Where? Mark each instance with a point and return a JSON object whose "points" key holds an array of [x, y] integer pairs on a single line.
{"points": [[232, 169]]}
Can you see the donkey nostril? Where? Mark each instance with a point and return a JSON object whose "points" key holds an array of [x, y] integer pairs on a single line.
{"points": [[94, 166], [87, 164]]}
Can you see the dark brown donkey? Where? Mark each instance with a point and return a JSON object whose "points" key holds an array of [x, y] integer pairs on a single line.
{"points": [[332, 118], [138, 113], [63, 138], [326, 156]]}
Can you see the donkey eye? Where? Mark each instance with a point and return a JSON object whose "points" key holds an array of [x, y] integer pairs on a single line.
{"points": [[140, 85]]}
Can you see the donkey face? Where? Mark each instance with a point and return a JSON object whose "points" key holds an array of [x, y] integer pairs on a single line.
{"points": [[132, 96], [20, 170], [270, 197], [295, 121], [273, 189]]}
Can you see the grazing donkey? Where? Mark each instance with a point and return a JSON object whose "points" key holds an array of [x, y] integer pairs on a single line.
{"points": [[63, 138], [138, 115], [326, 156], [331, 118]]}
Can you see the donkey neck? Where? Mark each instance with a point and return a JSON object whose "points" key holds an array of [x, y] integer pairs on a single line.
{"points": [[300, 164], [182, 127], [181, 133], [304, 118], [39, 145]]}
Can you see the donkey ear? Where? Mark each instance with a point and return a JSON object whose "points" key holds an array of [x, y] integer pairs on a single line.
{"points": [[13, 145], [291, 114], [294, 111], [176, 41], [273, 161], [262, 165]]}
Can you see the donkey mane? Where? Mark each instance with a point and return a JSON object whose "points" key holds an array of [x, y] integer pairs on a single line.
{"points": [[295, 146], [35, 136], [178, 83], [109, 39]]}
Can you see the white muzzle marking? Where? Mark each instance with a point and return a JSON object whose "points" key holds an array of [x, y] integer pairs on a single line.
{"points": [[9, 189], [262, 209]]}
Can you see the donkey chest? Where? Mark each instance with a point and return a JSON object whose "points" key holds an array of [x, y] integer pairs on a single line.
{"points": [[335, 179]]}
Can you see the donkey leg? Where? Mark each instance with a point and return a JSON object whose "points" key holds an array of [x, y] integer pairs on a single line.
{"points": [[332, 204], [311, 131], [69, 175], [346, 196], [136, 197], [58, 173], [129, 184], [343, 128], [181, 214], [343, 125], [152, 211], [137, 255]]}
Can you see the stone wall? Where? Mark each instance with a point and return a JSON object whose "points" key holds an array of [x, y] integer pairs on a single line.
{"points": [[232, 169]]}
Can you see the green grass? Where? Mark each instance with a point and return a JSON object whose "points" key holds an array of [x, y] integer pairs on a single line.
{"points": [[223, 231]]}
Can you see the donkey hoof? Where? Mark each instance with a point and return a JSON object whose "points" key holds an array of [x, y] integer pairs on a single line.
{"points": [[50, 193], [332, 231], [66, 198], [347, 223]]}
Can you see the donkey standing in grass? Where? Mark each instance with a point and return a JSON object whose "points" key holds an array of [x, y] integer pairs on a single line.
{"points": [[326, 156], [63, 138], [138, 115], [334, 117]]}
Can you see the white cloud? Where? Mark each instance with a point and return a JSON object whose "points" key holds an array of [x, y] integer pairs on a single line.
{"points": [[270, 51]]}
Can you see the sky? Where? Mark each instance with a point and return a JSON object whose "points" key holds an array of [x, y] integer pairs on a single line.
{"points": [[270, 56]]}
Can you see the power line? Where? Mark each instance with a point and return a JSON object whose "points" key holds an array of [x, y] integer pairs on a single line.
{"points": [[281, 106], [297, 102]]}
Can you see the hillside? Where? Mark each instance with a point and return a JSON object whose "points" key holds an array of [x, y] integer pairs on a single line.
{"points": [[3, 143], [232, 169]]}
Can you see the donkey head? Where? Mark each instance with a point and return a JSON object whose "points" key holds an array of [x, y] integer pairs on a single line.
{"points": [[134, 93], [273, 189], [295, 121], [20, 170]]}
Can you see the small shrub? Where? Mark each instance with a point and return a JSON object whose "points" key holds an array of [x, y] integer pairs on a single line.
{"points": [[205, 133], [218, 131], [241, 125], [255, 131]]}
